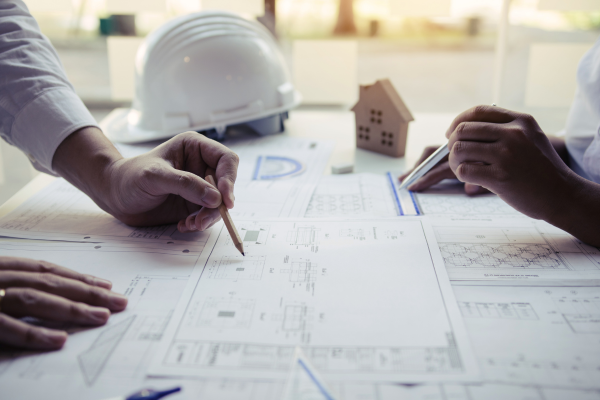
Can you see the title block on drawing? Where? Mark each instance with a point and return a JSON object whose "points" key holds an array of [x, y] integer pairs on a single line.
{"points": [[135, 6], [551, 75], [325, 71], [421, 8], [248, 7], [121, 66], [55, 6], [570, 5]]}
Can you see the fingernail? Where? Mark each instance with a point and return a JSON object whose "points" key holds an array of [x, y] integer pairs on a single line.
{"points": [[103, 283], [54, 338], [193, 226], [212, 197], [99, 314], [118, 301]]}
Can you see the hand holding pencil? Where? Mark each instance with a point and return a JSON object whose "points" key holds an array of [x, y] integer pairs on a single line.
{"points": [[237, 241]]}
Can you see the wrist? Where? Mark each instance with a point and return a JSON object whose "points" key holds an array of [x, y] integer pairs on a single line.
{"points": [[577, 212], [86, 159]]}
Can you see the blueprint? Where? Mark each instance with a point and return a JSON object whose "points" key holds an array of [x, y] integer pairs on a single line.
{"points": [[62, 212], [267, 186], [524, 249], [360, 196], [111, 359], [538, 336], [321, 285], [448, 200], [514, 332], [276, 178], [277, 175]]}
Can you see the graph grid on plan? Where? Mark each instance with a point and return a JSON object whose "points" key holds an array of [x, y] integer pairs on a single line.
{"points": [[530, 256]]}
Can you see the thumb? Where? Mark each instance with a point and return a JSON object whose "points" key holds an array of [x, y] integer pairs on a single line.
{"points": [[473, 190], [168, 180]]}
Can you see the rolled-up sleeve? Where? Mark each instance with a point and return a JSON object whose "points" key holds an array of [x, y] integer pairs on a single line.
{"points": [[38, 106]]}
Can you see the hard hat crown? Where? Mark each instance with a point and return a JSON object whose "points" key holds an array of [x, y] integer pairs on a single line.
{"points": [[202, 71]]}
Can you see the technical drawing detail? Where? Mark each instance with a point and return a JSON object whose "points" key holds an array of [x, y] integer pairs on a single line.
{"points": [[357, 234], [307, 236], [237, 268], [303, 271], [531, 256], [93, 360], [452, 204], [581, 313], [252, 234], [497, 310], [226, 313]]}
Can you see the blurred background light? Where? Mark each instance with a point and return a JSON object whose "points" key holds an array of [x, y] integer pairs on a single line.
{"points": [[439, 54]]}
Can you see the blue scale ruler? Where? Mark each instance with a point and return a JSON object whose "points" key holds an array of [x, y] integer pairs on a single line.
{"points": [[406, 202]]}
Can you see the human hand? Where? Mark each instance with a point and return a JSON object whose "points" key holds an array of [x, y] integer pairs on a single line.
{"points": [[166, 184], [437, 174], [507, 153], [46, 291]]}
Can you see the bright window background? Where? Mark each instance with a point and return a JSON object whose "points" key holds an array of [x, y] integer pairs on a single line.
{"points": [[440, 57]]}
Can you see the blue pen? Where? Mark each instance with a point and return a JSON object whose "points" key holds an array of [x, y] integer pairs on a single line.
{"points": [[148, 394]]}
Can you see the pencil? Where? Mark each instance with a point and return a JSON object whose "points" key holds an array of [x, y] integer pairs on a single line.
{"points": [[235, 236]]}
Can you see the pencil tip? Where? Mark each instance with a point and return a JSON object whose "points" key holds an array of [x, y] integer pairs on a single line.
{"points": [[244, 254]]}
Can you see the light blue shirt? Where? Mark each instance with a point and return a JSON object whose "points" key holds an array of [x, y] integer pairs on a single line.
{"points": [[38, 105], [583, 123]]}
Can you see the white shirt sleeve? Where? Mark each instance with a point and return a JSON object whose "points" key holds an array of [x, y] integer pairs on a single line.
{"points": [[583, 123], [38, 105], [591, 160]]}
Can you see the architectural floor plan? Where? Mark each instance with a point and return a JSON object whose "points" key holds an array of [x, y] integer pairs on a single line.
{"points": [[320, 285], [62, 212], [514, 250], [516, 332], [111, 359], [361, 196]]}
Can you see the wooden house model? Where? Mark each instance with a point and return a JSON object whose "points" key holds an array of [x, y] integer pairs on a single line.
{"points": [[381, 119]]}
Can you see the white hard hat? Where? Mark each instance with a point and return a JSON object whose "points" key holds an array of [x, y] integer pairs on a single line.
{"points": [[205, 71]]}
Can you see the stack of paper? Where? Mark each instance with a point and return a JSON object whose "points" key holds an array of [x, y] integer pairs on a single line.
{"points": [[340, 294]]}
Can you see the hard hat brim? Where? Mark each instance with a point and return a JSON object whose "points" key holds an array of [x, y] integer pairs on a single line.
{"points": [[117, 127]]}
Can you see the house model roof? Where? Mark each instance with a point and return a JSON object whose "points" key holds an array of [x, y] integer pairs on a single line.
{"points": [[387, 89]]}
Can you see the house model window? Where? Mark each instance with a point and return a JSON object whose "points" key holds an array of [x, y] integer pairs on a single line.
{"points": [[382, 119]]}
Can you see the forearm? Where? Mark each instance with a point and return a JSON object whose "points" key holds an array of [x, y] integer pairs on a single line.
{"points": [[85, 159], [580, 212]]}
